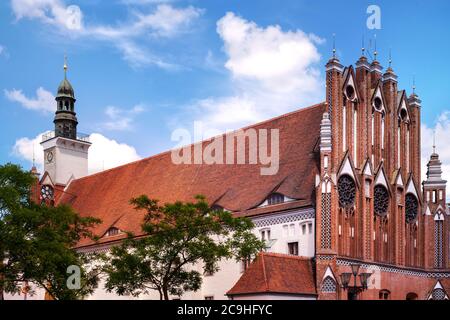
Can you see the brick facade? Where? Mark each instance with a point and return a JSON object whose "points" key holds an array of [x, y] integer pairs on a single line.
{"points": [[389, 221]]}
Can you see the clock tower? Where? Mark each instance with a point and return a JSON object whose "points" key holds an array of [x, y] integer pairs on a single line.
{"points": [[65, 150]]}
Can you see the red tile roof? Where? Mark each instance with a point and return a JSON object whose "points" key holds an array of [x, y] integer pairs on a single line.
{"points": [[277, 273], [237, 188]]}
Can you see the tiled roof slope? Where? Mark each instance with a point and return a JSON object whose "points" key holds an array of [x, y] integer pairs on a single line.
{"points": [[237, 188], [277, 273]]}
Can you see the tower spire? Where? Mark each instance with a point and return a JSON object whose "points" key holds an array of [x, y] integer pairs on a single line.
{"points": [[390, 58], [375, 54], [34, 159], [414, 84], [65, 66], [363, 49], [434, 141], [334, 45]]}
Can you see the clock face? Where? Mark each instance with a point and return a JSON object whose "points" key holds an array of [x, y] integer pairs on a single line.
{"points": [[50, 156]]}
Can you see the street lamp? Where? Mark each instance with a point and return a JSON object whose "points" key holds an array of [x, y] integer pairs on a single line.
{"points": [[355, 289]]}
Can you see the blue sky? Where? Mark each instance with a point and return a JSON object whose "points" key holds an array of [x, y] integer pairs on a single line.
{"points": [[142, 68]]}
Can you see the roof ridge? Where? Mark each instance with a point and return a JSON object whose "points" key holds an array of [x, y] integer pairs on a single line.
{"points": [[264, 272], [283, 255], [155, 156]]}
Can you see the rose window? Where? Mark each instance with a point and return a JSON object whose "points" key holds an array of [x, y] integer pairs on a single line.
{"points": [[347, 191], [381, 200], [411, 208]]}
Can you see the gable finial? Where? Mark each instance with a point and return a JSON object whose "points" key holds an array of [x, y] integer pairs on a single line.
{"points": [[375, 54], [363, 49], [65, 66], [34, 159], [334, 45], [414, 84], [390, 57], [434, 141]]}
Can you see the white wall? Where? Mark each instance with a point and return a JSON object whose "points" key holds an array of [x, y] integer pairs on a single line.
{"points": [[230, 271]]}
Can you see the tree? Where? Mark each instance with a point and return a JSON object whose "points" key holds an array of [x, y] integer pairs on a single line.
{"points": [[37, 241], [177, 237]]}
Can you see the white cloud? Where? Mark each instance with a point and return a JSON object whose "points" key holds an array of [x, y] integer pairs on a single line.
{"points": [[129, 37], [167, 21], [121, 119], [53, 12], [44, 100], [103, 154], [272, 72], [2, 49]]}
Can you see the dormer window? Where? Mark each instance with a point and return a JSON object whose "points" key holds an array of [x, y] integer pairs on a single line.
{"points": [[216, 208], [275, 198], [113, 231]]}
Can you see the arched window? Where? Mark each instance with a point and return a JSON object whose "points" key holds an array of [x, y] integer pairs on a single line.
{"points": [[275, 198], [384, 295], [381, 200], [412, 296], [328, 285], [47, 193], [355, 137], [411, 208], [407, 150], [346, 191], [439, 244], [344, 128]]}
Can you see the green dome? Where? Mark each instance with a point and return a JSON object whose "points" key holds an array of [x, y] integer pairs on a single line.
{"points": [[65, 90]]}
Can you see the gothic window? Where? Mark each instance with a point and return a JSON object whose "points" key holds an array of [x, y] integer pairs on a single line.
{"points": [[47, 193], [328, 285], [407, 150], [381, 200], [411, 208], [355, 137], [275, 198], [344, 128], [438, 244], [347, 191]]}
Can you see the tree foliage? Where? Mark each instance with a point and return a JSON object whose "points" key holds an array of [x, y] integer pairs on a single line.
{"points": [[178, 238], [36, 240]]}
